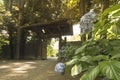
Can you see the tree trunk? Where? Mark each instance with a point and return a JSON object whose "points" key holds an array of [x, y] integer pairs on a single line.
{"points": [[19, 31], [82, 12], [17, 56], [88, 5], [22, 45], [87, 10], [82, 8], [105, 5], [8, 7], [11, 45]]}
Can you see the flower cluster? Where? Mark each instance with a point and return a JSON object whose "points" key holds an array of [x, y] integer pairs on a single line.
{"points": [[87, 20], [60, 67], [66, 52], [61, 54]]}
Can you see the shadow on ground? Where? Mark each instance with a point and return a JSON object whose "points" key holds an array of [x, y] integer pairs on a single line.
{"points": [[30, 70]]}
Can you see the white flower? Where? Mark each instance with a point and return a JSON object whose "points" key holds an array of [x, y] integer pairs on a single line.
{"points": [[86, 21], [59, 67]]}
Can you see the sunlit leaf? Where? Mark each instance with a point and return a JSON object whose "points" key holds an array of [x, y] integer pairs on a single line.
{"points": [[79, 50], [71, 62], [85, 65], [86, 58], [111, 69], [116, 56], [91, 74], [99, 57], [116, 50], [76, 69], [116, 13], [115, 42], [115, 7], [115, 29]]}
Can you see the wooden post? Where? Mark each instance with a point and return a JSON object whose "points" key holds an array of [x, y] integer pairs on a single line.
{"points": [[39, 52], [17, 55], [60, 42], [65, 40], [44, 49]]}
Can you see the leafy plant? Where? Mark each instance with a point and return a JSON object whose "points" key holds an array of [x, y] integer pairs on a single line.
{"points": [[108, 25], [99, 57], [3, 41], [50, 49], [67, 52]]}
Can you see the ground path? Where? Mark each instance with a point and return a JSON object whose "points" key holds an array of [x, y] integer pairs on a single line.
{"points": [[30, 70]]}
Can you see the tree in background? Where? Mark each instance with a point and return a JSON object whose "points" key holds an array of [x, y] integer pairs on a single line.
{"points": [[16, 13], [52, 48]]}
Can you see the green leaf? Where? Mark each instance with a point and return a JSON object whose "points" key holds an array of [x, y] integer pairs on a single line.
{"points": [[115, 28], [115, 50], [86, 58], [105, 27], [99, 57], [113, 8], [91, 74], [85, 65], [115, 42], [80, 49], [110, 69], [115, 56], [76, 69], [116, 13], [71, 62]]}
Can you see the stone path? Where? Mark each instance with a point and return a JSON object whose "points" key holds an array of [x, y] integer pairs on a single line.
{"points": [[30, 70]]}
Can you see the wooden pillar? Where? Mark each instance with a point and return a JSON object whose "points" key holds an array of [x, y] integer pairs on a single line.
{"points": [[44, 48], [65, 40], [39, 52], [17, 55], [22, 45], [60, 42]]}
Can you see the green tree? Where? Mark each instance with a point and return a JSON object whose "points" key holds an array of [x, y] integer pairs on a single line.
{"points": [[17, 13]]}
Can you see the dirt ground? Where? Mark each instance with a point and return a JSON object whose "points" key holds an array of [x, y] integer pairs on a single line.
{"points": [[30, 70]]}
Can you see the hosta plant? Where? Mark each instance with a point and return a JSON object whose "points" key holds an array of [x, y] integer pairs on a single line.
{"points": [[100, 57], [97, 59]]}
